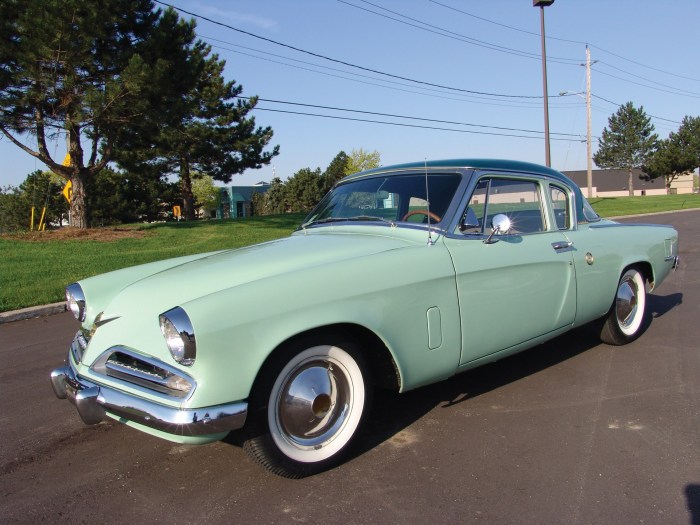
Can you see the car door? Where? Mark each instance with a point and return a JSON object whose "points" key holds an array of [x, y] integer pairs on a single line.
{"points": [[514, 286]]}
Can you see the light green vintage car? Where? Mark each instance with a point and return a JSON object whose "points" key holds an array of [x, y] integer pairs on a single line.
{"points": [[402, 276]]}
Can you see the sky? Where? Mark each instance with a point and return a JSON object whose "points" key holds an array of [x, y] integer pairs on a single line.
{"points": [[440, 79]]}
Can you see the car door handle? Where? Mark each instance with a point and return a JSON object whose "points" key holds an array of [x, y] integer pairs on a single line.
{"points": [[562, 245]]}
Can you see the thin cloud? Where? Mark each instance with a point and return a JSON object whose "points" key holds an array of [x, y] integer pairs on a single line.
{"points": [[239, 18]]}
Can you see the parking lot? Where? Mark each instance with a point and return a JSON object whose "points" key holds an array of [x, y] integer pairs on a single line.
{"points": [[573, 431]]}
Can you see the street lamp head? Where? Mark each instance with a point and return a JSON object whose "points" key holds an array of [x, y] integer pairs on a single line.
{"points": [[542, 3]]}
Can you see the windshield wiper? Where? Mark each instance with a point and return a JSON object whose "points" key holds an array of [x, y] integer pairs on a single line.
{"points": [[362, 218], [370, 218]]}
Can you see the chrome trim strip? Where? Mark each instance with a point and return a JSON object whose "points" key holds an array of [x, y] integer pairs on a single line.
{"points": [[625, 224], [93, 402]]}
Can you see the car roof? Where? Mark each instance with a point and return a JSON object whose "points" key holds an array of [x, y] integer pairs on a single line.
{"points": [[478, 164]]}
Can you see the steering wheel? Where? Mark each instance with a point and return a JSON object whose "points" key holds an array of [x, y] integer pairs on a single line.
{"points": [[436, 218]]}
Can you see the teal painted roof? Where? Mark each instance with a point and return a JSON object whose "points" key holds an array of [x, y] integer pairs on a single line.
{"points": [[480, 164], [494, 164]]}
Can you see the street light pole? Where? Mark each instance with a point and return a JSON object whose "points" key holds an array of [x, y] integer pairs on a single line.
{"points": [[542, 4]]}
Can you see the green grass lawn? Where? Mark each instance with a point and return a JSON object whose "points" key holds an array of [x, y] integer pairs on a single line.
{"points": [[617, 206], [35, 268]]}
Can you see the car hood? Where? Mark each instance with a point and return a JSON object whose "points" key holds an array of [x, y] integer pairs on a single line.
{"points": [[214, 272]]}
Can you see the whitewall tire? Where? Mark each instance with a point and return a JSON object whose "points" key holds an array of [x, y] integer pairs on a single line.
{"points": [[316, 400]]}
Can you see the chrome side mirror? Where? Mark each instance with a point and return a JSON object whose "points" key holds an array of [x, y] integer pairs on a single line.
{"points": [[500, 225]]}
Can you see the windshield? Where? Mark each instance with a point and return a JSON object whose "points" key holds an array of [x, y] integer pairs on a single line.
{"points": [[394, 198]]}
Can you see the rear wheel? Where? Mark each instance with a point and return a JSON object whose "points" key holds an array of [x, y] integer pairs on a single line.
{"points": [[307, 408], [625, 320]]}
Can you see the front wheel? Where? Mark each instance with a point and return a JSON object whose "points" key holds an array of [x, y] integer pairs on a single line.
{"points": [[625, 320], [307, 408]]}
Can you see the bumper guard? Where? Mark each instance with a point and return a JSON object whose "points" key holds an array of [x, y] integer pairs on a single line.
{"points": [[94, 401]]}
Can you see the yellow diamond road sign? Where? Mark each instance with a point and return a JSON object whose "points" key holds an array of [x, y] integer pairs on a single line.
{"points": [[68, 191], [68, 188]]}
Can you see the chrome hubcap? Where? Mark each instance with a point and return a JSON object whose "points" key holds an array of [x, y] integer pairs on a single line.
{"points": [[626, 302], [314, 403]]}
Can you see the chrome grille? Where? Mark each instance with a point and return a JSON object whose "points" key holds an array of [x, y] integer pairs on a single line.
{"points": [[125, 365]]}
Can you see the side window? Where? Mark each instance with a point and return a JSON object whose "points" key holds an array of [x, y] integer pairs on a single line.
{"points": [[518, 199], [560, 206]]}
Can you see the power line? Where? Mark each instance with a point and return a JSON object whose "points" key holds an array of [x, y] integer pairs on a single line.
{"points": [[678, 91], [504, 49], [618, 105], [424, 90], [504, 25], [404, 116], [457, 36], [400, 124], [645, 65], [565, 40], [646, 85], [337, 61], [407, 79]]}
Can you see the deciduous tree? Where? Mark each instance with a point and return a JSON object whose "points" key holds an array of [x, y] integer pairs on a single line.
{"points": [[206, 194], [40, 191], [688, 140], [667, 162], [361, 160]]}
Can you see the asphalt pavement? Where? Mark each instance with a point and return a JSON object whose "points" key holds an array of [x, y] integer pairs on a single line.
{"points": [[572, 431]]}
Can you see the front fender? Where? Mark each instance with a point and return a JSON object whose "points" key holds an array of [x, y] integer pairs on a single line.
{"points": [[388, 293]]}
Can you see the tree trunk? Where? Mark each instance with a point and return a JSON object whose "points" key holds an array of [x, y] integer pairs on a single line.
{"points": [[186, 189], [630, 182], [78, 211]]}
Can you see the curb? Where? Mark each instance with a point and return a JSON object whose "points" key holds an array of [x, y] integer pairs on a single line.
{"points": [[32, 312]]}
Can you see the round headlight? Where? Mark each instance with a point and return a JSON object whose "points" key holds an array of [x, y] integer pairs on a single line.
{"points": [[178, 332], [75, 301]]}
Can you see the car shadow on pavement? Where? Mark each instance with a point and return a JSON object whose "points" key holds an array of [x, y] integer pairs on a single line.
{"points": [[692, 495], [661, 304], [393, 412]]}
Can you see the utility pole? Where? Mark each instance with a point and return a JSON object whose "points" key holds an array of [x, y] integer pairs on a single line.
{"points": [[589, 157]]}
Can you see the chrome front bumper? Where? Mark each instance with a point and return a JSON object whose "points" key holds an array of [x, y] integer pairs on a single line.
{"points": [[94, 401]]}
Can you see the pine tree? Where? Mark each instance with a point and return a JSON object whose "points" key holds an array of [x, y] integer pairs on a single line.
{"points": [[627, 142], [335, 171], [208, 131], [92, 72]]}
